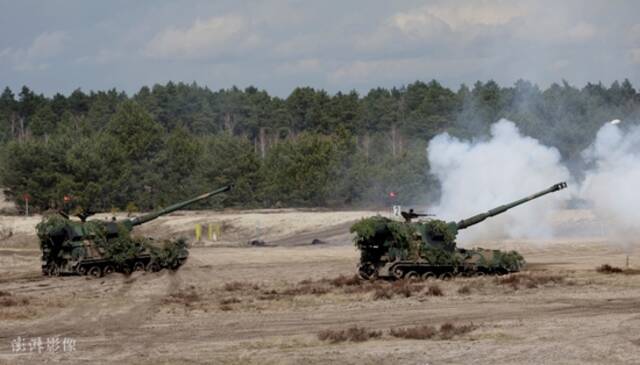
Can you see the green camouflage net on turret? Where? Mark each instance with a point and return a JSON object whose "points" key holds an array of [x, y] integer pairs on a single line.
{"points": [[396, 237], [376, 229], [49, 226], [440, 228]]}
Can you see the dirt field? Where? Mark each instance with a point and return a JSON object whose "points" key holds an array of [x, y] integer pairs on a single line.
{"points": [[233, 303]]}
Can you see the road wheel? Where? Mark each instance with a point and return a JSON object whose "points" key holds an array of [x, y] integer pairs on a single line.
{"points": [[138, 266], [81, 270], [95, 271], [108, 270], [176, 265], [153, 267], [412, 275], [446, 276], [367, 271], [428, 276], [398, 273], [479, 274]]}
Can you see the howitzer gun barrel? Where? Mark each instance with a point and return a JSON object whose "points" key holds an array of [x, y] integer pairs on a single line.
{"points": [[503, 208], [172, 208]]}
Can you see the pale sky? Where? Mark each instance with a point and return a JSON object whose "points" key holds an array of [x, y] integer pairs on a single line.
{"points": [[58, 46]]}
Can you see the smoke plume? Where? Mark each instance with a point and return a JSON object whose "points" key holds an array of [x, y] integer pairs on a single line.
{"points": [[476, 176], [612, 184]]}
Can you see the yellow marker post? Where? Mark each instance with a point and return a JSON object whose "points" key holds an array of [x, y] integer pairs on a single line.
{"points": [[218, 231], [210, 232], [198, 232]]}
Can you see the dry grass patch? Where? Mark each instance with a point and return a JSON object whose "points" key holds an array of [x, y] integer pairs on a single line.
{"points": [[342, 281], [353, 334], [269, 295], [401, 288], [528, 280], [11, 301], [383, 293], [608, 269], [434, 290], [312, 288], [464, 290], [239, 285], [350, 285], [18, 313], [186, 297], [447, 331], [225, 307], [231, 300], [12, 307], [342, 284], [423, 332]]}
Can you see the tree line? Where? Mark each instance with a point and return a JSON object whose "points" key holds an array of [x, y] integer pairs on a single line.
{"points": [[108, 150]]}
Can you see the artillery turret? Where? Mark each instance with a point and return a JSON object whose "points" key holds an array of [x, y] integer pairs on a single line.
{"points": [[101, 247], [389, 248]]}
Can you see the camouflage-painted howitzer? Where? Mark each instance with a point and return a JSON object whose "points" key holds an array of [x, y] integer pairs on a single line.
{"points": [[427, 249], [101, 247]]}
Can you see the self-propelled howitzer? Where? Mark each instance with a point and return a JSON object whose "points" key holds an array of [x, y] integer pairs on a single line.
{"points": [[389, 248], [101, 247]]}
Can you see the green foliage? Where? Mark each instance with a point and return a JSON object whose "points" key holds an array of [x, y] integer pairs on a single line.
{"points": [[440, 229], [169, 254], [131, 208], [168, 142], [299, 171], [366, 228], [438, 256], [230, 160], [379, 230], [122, 248], [50, 225]]}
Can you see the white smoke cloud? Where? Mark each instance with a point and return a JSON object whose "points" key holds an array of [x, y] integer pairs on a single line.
{"points": [[479, 175], [612, 185]]}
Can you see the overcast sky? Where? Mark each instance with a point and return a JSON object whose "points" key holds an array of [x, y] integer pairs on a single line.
{"points": [[275, 45]]}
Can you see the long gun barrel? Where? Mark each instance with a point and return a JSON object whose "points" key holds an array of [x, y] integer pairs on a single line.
{"points": [[503, 208], [172, 208]]}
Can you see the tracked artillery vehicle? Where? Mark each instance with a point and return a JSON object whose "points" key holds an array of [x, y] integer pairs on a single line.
{"points": [[101, 247], [427, 249]]}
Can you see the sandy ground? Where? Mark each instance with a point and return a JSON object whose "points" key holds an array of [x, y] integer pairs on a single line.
{"points": [[233, 303]]}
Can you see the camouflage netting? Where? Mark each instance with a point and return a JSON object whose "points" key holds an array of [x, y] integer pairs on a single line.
{"points": [[438, 228], [126, 247], [381, 229], [509, 260], [121, 249], [170, 254], [51, 225], [437, 256], [396, 237]]}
